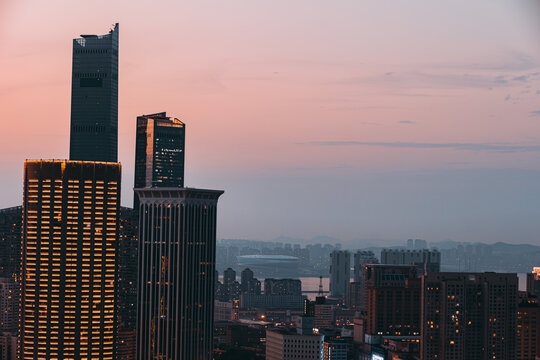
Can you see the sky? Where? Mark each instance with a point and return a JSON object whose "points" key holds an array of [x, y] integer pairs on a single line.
{"points": [[350, 119]]}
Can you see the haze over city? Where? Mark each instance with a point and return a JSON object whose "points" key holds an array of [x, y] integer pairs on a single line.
{"points": [[353, 120]]}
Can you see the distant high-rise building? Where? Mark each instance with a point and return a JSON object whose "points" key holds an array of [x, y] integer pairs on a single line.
{"points": [[469, 316], [176, 273], [424, 260], [245, 277], [362, 258], [159, 152], [10, 241], [282, 287], [340, 273], [229, 277], [69, 260], [420, 244], [94, 98]]}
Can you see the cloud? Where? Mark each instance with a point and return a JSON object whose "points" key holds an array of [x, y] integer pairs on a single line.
{"points": [[537, 92], [497, 147], [507, 98], [535, 113], [407, 122]]}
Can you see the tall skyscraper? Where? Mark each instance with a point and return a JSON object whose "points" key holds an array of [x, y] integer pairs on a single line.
{"points": [[94, 98], [469, 316], [69, 260], [340, 273], [177, 249], [159, 152]]}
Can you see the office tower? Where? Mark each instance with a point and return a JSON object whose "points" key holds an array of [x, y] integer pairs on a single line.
{"points": [[229, 277], [289, 344], [94, 98], [362, 258], [528, 327], [469, 316], [159, 152], [127, 284], [282, 287], [425, 260], [393, 298], [10, 241], [69, 259], [177, 250], [340, 273]]}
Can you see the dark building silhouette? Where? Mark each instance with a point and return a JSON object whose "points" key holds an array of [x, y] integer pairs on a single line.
{"points": [[229, 277], [69, 260], [159, 152], [94, 98], [127, 283], [10, 241], [177, 252], [469, 316]]}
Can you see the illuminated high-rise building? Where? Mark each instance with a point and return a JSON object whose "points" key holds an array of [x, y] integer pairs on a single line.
{"points": [[469, 316], [177, 250], [159, 152], [69, 260], [94, 98]]}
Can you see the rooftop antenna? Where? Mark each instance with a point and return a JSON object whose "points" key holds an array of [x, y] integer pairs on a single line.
{"points": [[320, 286]]}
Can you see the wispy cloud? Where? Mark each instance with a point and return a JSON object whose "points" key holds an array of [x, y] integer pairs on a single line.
{"points": [[407, 122], [497, 147], [535, 113]]}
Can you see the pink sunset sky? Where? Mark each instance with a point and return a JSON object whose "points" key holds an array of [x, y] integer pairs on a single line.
{"points": [[351, 119]]}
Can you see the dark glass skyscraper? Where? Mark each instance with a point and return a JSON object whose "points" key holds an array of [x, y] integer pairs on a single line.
{"points": [[69, 260], [94, 98], [159, 152], [177, 252]]}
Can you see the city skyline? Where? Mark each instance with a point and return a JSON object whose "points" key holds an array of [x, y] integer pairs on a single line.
{"points": [[431, 137]]}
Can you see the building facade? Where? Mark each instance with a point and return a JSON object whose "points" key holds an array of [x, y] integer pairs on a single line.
{"points": [[69, 260], [469, 316], [177, 237], [393, 298], [287, 344], [9, 305], [528, 327], [94, 98], [159, 152], [340, 273]]}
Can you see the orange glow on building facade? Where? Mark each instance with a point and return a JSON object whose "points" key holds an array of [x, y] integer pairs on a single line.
{"points": [[68, 267]]}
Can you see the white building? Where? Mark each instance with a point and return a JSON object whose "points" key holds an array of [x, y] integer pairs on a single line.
{"points": [[288, 344]]}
